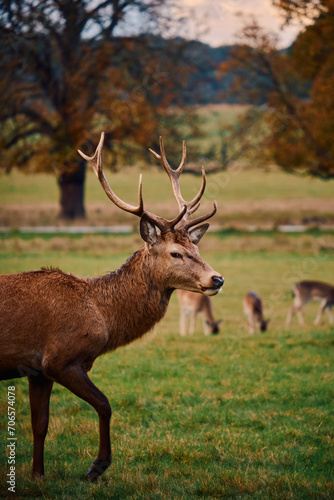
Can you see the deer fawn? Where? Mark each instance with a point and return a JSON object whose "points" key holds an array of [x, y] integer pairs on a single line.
{"points": [[54, 325], [253, 309], [303, 292], [191, 304]]}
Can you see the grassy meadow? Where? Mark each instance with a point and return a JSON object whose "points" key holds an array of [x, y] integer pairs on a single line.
{"points": [[245, 197], [229, 416]]}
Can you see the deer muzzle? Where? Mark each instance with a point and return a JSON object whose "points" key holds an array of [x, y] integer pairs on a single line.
{"points": [[217, 283]]}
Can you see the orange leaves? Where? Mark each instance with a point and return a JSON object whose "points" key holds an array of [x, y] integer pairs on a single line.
{"points": [[297, 85]]}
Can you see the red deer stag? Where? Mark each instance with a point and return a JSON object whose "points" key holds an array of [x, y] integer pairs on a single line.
{"points": [[191, 304], [54, 325], [253, 309], [303, 292]]}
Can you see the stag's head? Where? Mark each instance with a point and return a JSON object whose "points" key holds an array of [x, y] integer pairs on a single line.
{"points": [[170, 244]]}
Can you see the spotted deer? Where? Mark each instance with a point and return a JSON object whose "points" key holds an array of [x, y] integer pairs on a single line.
{"points": [[53, 325], [305, 291], [191, 304], [253, 309]]}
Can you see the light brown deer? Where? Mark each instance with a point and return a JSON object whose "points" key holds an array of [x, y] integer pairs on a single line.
{"points": [[305, 291], [191, 304], [253, 309], [54, 325]]}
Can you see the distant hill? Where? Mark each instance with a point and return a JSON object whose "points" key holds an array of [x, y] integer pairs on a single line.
{"points": [[199, 63], [205, 85]]}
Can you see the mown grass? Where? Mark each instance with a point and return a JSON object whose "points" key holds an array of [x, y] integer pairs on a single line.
{"points": [[212, 120], [232, 185], [229, 416], [245, 195]]}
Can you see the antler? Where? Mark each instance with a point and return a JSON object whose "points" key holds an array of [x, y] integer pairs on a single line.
{"points": [[96, 162], [174, 176]]}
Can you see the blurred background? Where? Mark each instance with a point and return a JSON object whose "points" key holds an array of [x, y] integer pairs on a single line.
{"points": [[248, 85]]}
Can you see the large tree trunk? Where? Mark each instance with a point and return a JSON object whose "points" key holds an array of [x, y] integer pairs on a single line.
{"points": [[72, 193]]}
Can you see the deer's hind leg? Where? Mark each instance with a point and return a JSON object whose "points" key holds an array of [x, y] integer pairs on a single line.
{"points": [[297, 308], [321, 310], [39, 394]]}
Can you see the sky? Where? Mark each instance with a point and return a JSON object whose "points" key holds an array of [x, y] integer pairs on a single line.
{"points": [[221, 21]]}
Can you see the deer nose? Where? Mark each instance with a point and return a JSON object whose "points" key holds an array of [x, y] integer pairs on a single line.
{"points": [[218, 281]]}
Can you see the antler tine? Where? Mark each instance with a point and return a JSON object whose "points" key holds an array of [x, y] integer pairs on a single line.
{"points": [[195, 202], [194, 205], [164, 160], [96, 163], [198, 220], [174, 176], [192, 210]]}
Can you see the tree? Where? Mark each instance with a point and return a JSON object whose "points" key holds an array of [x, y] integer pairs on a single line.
{"points": [[57, 78], [295, 84], [302, 10], [312, 57]]}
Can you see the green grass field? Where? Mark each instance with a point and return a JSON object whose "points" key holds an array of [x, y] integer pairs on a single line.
{"points": [[244, 196], [229, 416]]}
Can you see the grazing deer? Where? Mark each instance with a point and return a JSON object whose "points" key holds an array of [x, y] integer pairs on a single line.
{"points": [[54, 325], [303, 292], [253, 309], [191, 304]]}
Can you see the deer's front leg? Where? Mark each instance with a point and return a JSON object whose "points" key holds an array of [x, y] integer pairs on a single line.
{"points": [[183, 321], [39, 394], [206, 327], [251, 324], [77, 381]]}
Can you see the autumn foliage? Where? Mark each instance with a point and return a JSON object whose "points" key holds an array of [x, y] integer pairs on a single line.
{"points": [[295, 85], [67, 76]]}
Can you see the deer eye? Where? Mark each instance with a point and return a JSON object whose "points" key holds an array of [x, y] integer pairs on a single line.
{"points": [[176, 255]]}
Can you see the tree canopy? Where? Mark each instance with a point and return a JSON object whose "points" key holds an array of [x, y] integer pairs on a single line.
{"points": [[296, 86], [60, 81]]}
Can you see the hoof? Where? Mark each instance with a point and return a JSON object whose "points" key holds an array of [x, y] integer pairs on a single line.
{"points": [[38, 473], [95, 471]]}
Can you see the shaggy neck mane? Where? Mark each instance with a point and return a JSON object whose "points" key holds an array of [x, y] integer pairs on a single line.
{"points": [[131, 298]]}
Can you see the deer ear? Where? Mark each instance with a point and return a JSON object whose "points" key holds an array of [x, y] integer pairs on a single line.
{"points": [[196, 234], [148, 230]]}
